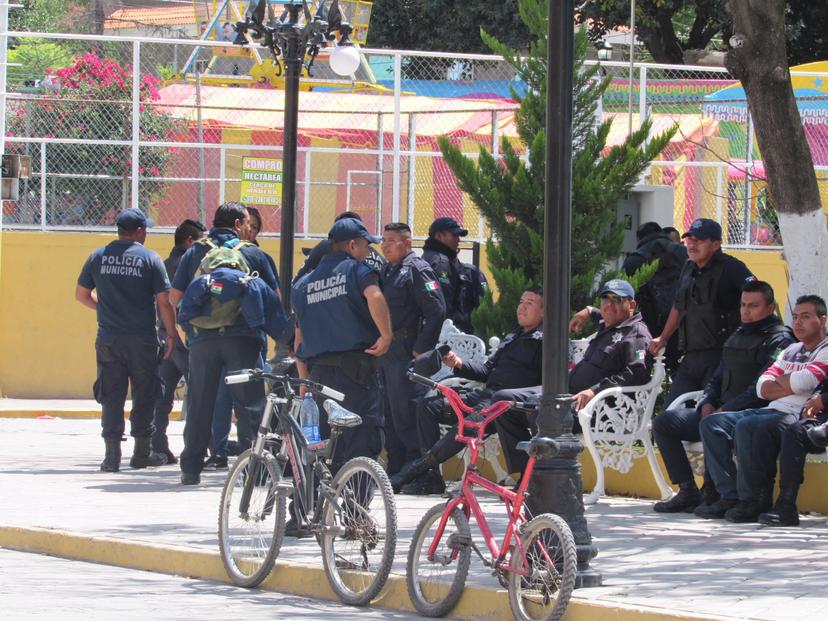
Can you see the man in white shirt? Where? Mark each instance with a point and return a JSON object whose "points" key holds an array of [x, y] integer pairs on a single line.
{"points": [[787, 384], [790, 435]]}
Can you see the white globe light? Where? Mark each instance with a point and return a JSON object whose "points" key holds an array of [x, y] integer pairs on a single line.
{"points": [[344, 60]]}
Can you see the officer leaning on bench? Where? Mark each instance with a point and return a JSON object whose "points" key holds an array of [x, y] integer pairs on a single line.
{"points": [[343, 325], [417, 312], [705, 313], [127, 280]]}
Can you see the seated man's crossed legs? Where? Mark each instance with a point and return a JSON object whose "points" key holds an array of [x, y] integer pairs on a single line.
{"points": [[422, 476]]}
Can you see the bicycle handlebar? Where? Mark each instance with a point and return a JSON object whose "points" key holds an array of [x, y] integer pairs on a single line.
{"points": [[248, 375]]}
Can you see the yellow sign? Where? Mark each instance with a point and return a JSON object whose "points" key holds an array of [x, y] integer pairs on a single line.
{"points": [[261, 181]]}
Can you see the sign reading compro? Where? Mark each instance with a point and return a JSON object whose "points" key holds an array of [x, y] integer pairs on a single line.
{"points": [[261, 181]]}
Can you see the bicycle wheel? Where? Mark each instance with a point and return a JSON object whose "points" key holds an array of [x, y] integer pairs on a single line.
{"points": [[250, 540], [360, 539], [551, 563], [435, 583]]}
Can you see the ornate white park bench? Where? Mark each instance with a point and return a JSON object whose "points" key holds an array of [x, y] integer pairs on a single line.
{"points": [[470, 347], [616, 428]]}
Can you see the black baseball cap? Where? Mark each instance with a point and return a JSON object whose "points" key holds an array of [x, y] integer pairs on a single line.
{"points": [[350, 228], [446, 224], [132, 218], [704, 228]]}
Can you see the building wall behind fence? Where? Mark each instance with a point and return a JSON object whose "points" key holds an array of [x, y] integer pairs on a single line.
{"points": [[47, 338]]}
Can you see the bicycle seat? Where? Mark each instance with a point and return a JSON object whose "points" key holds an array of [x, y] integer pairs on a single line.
{"points": [[526, 446], [339, 416]]}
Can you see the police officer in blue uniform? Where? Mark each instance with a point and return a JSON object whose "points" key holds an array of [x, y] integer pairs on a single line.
{"points": [[417, 313], [175, 367], [343, 326], [235, 348], [122, 282], [314, 255], [460, 291]]}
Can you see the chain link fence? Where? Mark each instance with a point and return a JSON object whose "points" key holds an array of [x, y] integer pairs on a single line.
{"points": [[202, 121]]}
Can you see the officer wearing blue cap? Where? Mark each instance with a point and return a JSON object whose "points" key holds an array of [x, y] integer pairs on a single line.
{"points": [[314, 255], [456, 281], [122, 282], [343, 325], [417, 313]]}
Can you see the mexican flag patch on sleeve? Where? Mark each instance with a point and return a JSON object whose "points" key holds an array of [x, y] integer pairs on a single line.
{"points": [[640, 354], [431, 285]]}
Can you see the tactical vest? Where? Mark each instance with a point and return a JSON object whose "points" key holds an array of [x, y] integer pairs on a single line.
{"points": [[332, 312], [744, 357], [702, 324]]}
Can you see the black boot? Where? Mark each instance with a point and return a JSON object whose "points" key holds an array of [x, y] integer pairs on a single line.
{"points": [[143, 457], [112, 459], [688, 498], [412, 470], [818, 435], [748, 511], [428, 483], [161, 445], [784, 512]]}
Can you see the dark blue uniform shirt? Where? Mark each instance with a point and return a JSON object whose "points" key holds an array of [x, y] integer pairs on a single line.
{"points": [[515, 364], [330, 307], [415, 301], [126, 276], [256, 259]]}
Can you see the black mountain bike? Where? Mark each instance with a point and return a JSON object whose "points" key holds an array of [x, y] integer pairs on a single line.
{"points": [[352, 514]]}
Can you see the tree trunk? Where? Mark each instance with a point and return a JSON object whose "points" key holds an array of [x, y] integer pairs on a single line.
{"points": [[758, 58]]}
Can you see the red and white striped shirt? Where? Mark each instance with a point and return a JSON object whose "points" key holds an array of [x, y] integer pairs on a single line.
{"points": [[807, 370]]}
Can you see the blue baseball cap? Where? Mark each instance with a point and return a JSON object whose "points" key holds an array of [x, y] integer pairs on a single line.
{"points": [[350, 228], [131, 219], [446, 224], [618, 287], [704, 228]]}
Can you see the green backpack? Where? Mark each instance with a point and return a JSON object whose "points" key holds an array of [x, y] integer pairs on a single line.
{"points": [[222, 314]]}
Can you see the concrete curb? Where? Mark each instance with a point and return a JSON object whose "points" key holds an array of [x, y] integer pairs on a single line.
{"points": [[476, 604], [65, 414]]}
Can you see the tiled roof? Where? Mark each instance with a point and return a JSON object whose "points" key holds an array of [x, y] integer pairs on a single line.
{"points": [[180, 15]]}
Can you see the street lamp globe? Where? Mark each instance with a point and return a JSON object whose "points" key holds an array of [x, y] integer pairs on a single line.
{"points": [[605, 51], [344, 60]]}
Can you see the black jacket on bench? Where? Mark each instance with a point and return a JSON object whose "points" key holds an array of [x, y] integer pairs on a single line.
{"points": [[515, 364]]}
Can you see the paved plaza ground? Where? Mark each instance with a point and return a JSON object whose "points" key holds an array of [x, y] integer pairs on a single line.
{"points": [[659, 566]]}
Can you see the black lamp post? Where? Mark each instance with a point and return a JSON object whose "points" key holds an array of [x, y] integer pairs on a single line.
{"points": [[295, 40], [556, 484]]}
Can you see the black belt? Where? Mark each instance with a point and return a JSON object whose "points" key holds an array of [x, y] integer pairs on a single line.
{"points": [[356, 364], [403, 333]]}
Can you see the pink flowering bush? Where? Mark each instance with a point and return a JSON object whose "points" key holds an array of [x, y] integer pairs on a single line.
{"points": [[93, 101]]}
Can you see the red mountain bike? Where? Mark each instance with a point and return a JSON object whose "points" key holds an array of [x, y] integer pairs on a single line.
{"points": [[536, 561]]}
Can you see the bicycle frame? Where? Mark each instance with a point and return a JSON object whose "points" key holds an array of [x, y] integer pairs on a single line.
{"points": [[466, 499]]}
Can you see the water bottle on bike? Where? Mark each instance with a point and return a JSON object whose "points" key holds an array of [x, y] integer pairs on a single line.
{"points": [[309, 419]]}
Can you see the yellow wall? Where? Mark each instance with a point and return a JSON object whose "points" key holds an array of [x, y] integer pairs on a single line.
{"points": [[46, 337], [767, 265]]}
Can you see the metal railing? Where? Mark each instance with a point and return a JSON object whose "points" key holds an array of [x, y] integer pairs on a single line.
{"points": [[182, 154]]}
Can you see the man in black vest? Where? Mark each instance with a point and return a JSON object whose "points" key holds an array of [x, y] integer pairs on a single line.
{"points": [[655, 297], [746, 354]]}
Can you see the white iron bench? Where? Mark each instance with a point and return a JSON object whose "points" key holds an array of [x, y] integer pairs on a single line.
{"points": [[616, 428], [470, 347]]}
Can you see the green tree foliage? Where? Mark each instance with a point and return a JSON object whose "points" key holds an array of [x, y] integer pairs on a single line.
{"points": [[444, 25], [666, 27], [510, 192]]}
